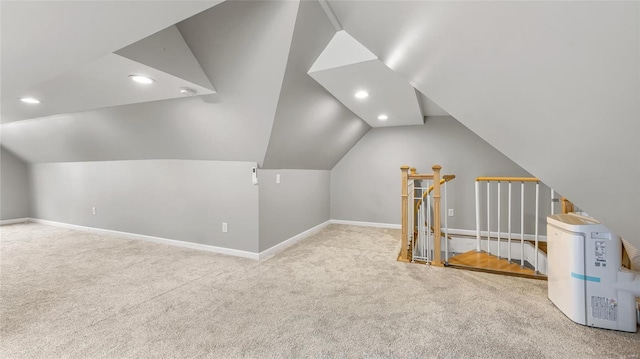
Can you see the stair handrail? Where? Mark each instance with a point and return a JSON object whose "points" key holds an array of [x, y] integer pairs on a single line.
{"points": [[445, 179], [507, 179]]}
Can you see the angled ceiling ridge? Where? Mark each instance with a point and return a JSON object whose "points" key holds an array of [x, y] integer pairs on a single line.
{"points": [[324, 4], [429, 107], [342, 50], [33, 54], [167, 51]]}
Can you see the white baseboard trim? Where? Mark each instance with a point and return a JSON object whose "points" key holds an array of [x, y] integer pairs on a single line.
{"points": [[366, 224], [503, 235], [291, 241], [452, 231], [14, 221], [134, 236], [61, 224]]}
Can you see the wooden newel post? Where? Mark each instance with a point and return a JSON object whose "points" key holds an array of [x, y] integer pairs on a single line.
{"points": [[437, 261], [405, 215], [567, 206]]}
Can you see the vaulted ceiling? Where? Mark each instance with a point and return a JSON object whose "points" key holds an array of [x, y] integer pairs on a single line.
{"points": [[242, 48], [42, 39], [248, 61], [312, 130], [552, 85]]}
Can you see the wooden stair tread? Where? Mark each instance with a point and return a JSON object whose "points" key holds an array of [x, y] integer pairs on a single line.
{"points": [[481, 261]]}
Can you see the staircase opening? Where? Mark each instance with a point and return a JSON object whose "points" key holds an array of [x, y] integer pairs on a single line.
{"points": [[497, 248]]}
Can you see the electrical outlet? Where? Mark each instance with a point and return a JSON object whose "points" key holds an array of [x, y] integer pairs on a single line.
{"points": [[224, 227], [451, 212], [278, 178], [93, 210]]}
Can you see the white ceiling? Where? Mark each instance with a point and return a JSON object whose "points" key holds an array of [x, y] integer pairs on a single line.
{"points": [[389, 93], [42, 39], [342, 50], [167, 51], [163, 56], [102, 83], [345, 67]]}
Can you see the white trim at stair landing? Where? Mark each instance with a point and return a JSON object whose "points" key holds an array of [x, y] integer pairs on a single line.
{"points": [[452, 231], [503, 235]]}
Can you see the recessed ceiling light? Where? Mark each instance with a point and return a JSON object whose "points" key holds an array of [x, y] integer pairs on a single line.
{"points": [[362, 94], [141, 79], [30, 100], [188, 91], [383, 117]]}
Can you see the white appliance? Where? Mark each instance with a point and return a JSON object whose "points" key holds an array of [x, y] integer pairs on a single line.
{"points": [[586, 279]]}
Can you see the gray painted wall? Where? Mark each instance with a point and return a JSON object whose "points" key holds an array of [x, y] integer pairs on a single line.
{"points": [[365, 184], [299, 202], [312, 129], [14, 184], [176, 199]]}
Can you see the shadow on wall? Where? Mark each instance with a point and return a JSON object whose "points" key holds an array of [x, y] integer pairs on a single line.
{"points": [[14, 194]]}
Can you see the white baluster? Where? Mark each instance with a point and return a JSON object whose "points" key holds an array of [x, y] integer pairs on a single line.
{"points": [[446, 226], [421, 234], [509, 226], [535, 265], [414, 243], [488, 217], [522, 224], [499, 215], [417, 243], [477, 216], [427, 253]]}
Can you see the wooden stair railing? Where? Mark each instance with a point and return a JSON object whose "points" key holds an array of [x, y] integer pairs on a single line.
{"points": [[445, 178], [409, 174], [567, 206]]}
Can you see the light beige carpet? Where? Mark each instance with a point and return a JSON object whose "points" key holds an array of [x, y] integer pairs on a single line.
{"points": [[338, 294]]}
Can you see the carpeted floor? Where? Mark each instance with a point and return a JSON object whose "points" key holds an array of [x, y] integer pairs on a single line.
{"points": [[338, 294]]}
